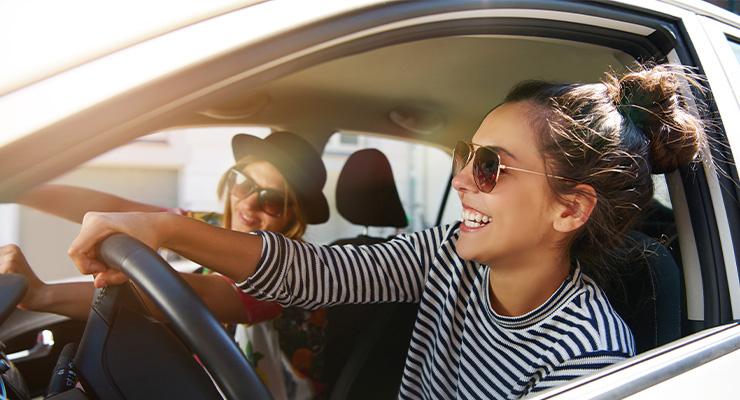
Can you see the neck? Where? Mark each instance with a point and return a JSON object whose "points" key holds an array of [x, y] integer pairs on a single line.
{"points": [[518, 288]]}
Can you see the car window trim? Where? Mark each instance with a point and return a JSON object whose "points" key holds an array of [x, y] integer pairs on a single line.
{"points": [[646, 370]]}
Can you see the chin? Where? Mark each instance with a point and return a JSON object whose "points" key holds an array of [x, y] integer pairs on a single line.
{"points": [[245, 228], [466, 248]]}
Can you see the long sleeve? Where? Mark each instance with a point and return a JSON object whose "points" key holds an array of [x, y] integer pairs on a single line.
{"points": [[311, 276], [460, 347]]}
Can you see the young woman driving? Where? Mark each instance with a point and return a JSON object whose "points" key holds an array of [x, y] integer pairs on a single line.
{"points": [[509, 304]]}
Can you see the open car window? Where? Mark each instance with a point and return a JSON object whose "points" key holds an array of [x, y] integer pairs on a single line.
{"points": [[181, 169]]}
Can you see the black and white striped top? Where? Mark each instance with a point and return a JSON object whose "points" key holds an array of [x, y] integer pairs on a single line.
{"points": [[460, 348]]}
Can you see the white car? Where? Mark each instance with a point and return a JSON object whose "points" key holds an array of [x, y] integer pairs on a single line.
{"points": [[78, 79]]}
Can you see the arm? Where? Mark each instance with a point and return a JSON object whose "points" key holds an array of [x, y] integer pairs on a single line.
{"points": [[72, 299], [231, 253], [311, 276], [220, 296], [71, 202], [576, 367]]}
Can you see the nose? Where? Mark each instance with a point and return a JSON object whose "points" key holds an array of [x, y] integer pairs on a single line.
{"points": [[463, 181], [249, 202]]}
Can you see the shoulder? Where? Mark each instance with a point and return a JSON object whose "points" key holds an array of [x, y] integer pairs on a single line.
{"points": [[437, 234], [209, 217], [590, 312], [212, 218]]}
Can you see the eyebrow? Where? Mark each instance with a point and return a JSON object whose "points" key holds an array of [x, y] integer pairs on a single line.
{"points": [[497, 148], [504, 151]]}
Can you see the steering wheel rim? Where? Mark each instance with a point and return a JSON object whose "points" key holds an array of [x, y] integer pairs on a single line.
{"points": [[194, 323]]}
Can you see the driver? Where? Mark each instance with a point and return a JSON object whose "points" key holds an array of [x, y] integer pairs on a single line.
{"points": [[275, 185], [510, 302]]}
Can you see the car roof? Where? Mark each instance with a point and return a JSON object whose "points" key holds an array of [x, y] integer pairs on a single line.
{"points": [[421, 71], [48, 37]]}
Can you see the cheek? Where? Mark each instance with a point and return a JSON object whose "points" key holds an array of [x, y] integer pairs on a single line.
{"points": [[527, 218], [274, 225], [527, 208], [278, 225], [232, 213], [519, 221]]}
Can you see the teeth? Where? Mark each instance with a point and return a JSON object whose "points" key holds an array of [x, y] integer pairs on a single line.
{"points": [[474, 219]]}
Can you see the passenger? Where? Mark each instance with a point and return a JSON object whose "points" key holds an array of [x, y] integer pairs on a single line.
{"points": [[550, 181], [276, 185]]}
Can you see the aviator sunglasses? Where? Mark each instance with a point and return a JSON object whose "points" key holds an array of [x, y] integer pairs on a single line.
{"points": [[272, 202], [486, 165]]}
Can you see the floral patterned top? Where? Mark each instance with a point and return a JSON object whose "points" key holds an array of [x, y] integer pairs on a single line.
{"points": [[285, 345]]}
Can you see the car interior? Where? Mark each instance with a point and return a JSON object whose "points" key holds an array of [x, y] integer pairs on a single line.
{"points": [[431, 84], [367, 343]]}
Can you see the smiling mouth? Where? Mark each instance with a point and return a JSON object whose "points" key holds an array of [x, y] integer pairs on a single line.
{"points": [[246, 219], [474, 219]]}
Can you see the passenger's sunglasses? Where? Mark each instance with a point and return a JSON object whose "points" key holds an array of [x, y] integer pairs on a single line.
{"points": [[272, 202], [486, 165]]}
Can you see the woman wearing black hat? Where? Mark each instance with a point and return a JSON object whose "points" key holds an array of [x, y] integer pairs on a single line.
{"points": [[275, 185]]}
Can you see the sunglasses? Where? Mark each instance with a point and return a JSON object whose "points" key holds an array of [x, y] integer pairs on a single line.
{"points": [[272, 202], [486, 165]]}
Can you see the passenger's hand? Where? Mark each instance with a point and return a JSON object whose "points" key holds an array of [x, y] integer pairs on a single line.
{"points": [[98, 226], [12, 261]]}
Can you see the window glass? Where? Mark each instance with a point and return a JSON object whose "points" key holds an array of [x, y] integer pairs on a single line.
{"points": [[735, 48], [657, 220], [182, 168], [45, 239], [420, 173], [661, 194]]}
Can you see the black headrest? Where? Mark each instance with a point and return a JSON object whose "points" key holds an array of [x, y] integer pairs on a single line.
{"points": [[366, 191], [649, 297]]}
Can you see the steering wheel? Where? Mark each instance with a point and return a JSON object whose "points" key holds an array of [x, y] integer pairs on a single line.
{"points": [[110, 344]]}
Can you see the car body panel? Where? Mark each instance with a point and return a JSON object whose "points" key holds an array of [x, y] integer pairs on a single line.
{"points": [[719, 36], [417, 71], [51, 44], [658, 372]]}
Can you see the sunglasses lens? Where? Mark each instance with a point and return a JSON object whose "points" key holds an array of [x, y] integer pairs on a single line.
{"points": [[271, 202], [460, 157], [485, 169], [241, 185]]}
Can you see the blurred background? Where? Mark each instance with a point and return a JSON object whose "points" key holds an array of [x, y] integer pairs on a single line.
{"points": [[182, 168]]}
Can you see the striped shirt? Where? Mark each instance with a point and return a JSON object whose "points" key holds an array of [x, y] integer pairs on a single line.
{"points": [[460, 347]]}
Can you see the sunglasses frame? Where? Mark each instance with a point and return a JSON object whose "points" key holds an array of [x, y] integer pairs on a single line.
{"points": [[231, 182], [473, 154]]}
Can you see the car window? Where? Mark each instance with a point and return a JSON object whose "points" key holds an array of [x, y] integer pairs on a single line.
{"points": [[181, 168], [416, 171], [735, 48]]}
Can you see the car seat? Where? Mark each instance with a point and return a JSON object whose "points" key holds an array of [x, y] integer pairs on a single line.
{"points": [[649, 296], [367, 343], [366, 195]]}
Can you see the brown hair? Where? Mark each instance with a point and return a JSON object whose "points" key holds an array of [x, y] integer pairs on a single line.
{"points": [[294, 230], [612, 136]]}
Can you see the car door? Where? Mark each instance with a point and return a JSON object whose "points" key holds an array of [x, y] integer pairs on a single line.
{"points": [[706, 211]]}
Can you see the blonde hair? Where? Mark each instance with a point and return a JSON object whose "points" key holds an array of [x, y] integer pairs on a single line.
{"points": [[295, 228]]}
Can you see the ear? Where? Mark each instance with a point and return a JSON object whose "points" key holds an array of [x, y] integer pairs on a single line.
{"points": [[576, 209]]}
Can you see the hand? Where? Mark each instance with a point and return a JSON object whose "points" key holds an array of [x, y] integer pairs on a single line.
{"points": [[98, 226], [12, 261]]}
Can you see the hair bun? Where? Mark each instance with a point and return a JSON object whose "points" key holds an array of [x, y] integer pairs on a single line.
{"points": [[651, 99]]}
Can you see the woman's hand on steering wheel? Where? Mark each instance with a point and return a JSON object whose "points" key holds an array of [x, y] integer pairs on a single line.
{"points": [[98, 226], [12, 261]]}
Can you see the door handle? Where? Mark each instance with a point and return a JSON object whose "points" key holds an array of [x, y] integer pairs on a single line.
{"points": [[42, 348]]}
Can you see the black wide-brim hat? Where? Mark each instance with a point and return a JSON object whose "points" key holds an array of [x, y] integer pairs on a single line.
{"points": [[299, 163]]}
